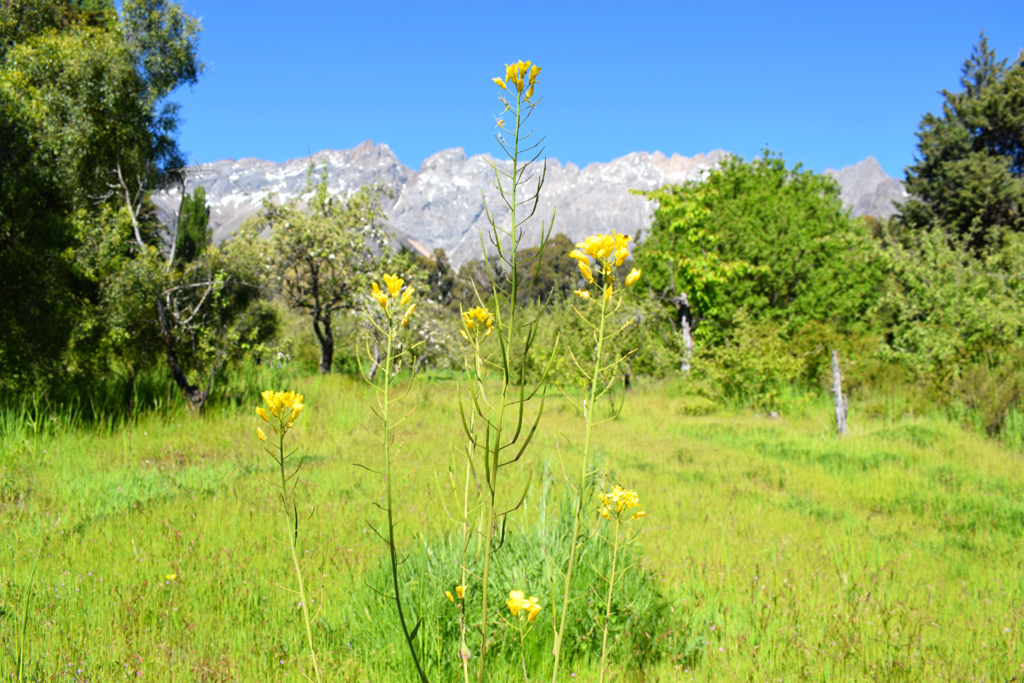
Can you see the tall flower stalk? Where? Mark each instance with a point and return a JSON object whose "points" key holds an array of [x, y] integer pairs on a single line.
{"points": [[615, 508], [608, 253], [504, 441], [284, 408], [391, 300]]}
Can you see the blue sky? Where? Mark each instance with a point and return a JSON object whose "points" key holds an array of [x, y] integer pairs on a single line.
{"points": [[826, 84]]}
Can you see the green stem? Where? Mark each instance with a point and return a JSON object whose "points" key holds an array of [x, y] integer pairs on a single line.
{"points": [[392, 549], [522, 651], [506, 380], [608, 604], [292, 533], [588, 414]]}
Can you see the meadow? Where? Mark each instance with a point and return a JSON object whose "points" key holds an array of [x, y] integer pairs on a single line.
{"points": [[772, 550]]}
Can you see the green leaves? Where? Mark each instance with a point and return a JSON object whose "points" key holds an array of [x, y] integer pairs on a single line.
{"points": [[969, 176]]}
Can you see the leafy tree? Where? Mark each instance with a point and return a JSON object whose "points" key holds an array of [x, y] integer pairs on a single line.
{"points": [[758, 236], [968, 177], [84, 128], [321, 254], [194, 233]]}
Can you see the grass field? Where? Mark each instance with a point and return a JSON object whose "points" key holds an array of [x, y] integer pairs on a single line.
{"points": [[780, 552]]}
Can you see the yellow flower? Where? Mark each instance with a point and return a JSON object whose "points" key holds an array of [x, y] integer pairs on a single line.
{"points": [[405, 318], [394, 284], [585, 269], [380, 296], [259, 433], [464, 335], [608, 293], [461, 592], [621, 248], [605, 513], [406, 296], [582, 293], [515, 601], [262, 413], [510, 72], [534, 72], [499, 82], [579, 255], [171, 577], [529, 93], [633, 276], [531, 606], [638, 515], [448, 595]]}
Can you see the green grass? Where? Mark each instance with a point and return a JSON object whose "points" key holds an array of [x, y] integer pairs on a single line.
{"points": [[773, 550]]}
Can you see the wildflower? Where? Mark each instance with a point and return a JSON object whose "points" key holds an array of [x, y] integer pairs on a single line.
{"points": [[633, 276], [514, 602], [534, 72], [500, 83], [621, 250], [394, 284], [406, 296], [529, 93], [171, 577], [380, 296], [579, 255], [582, 293], [608, 292], [532, 607], [461, 592], [637, 515], [448, 595], [278, 402], [585, 269], [405, 318]]}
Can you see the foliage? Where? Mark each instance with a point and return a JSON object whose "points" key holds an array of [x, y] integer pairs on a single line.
{"points": [[84, 120], [753, 366], [968, 178], [759, 236], [320, 257], [194, 234]]}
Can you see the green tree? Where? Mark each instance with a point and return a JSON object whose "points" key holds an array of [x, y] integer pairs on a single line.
{"points": [[84, 128], [194, 233], [761, 237], [321, 254], [968, 177]]}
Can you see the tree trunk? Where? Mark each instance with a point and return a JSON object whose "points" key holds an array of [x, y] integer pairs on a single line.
{"points": [[837, 391], [195, 396], [325, 335], [684, 325]]}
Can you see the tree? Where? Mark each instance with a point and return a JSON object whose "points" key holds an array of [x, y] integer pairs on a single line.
{"points": [[194, 233], [84, 129], [968, 177], [759, 236], [321, 254]]}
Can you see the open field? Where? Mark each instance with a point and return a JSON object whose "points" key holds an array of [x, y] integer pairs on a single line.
{"points": [[783, 552]]}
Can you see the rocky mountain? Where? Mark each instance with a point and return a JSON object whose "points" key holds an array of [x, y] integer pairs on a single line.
{"points": [[867, 190], [441, 204]]}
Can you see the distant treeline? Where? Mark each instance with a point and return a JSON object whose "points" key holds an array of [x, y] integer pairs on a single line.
{"points": [[751, 276]]}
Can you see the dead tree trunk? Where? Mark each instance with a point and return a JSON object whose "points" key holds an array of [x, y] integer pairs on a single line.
{"points": [[840, 399]]}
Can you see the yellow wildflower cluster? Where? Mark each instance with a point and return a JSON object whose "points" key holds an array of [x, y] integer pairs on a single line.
{"points": [[460, 591], [520, 74], [391, 300], [619, 501], [478, 322], [284, 406], [608, 252], [521, 606]]}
